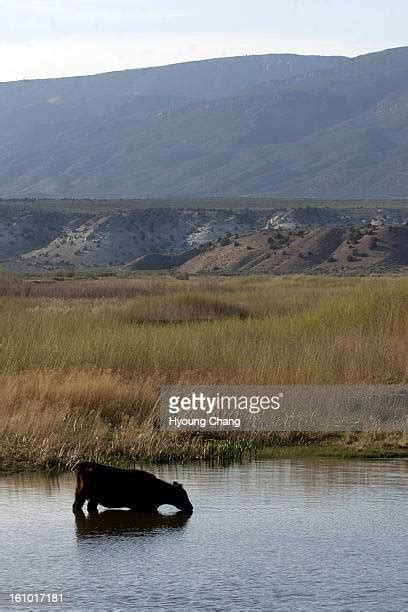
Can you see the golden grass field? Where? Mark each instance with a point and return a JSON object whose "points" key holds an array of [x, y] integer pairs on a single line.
{"points": [[82, 361]]}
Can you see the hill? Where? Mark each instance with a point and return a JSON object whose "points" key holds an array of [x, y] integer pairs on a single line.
{"points": [[287, 126], [36, 239], [330, 250]]}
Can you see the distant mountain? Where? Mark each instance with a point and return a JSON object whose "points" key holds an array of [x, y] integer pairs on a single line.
{"points": [[200, 80], [276, 124]]}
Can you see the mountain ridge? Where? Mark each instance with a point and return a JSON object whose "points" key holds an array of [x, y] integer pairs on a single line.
{"points": [[338, 131]]}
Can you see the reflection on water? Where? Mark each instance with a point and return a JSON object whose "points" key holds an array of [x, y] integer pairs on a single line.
{"points": [[115, 522], [282, 535]]}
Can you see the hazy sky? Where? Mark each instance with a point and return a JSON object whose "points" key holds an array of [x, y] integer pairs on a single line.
{"points": [[43, 38]]}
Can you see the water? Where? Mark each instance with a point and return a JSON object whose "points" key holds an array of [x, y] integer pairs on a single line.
{"points": [[269, 535]]}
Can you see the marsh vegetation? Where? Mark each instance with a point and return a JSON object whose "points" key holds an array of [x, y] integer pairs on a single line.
{"points": [[82, 361]]}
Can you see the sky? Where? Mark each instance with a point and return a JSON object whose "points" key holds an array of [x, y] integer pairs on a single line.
{"points": [[50, 38]]}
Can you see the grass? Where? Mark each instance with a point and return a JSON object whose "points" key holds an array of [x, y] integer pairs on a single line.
{"points": [[82, 361]]}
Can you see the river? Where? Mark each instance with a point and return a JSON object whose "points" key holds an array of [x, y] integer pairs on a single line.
{"points": [[310, 534]]}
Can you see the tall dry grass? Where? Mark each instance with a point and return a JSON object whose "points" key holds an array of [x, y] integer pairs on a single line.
{"points": [[82, 362]]}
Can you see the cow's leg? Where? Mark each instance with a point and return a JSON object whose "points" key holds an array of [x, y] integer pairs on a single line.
{"points": [[80, 495], [92, 505], [80, 499]]}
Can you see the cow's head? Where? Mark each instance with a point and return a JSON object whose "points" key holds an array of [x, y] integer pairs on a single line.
{"points": [[180, 498]]}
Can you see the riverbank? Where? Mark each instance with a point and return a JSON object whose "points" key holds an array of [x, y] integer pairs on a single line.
{"points": [[225, 449]]}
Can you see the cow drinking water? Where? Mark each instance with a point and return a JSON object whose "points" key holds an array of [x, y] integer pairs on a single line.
{"points": [[117, 488]]}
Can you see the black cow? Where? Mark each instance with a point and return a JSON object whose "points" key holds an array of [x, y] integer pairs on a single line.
{"points": [[117, 488]]}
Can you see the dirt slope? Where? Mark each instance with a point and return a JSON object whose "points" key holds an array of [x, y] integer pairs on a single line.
{"points": [[333, 250]]}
